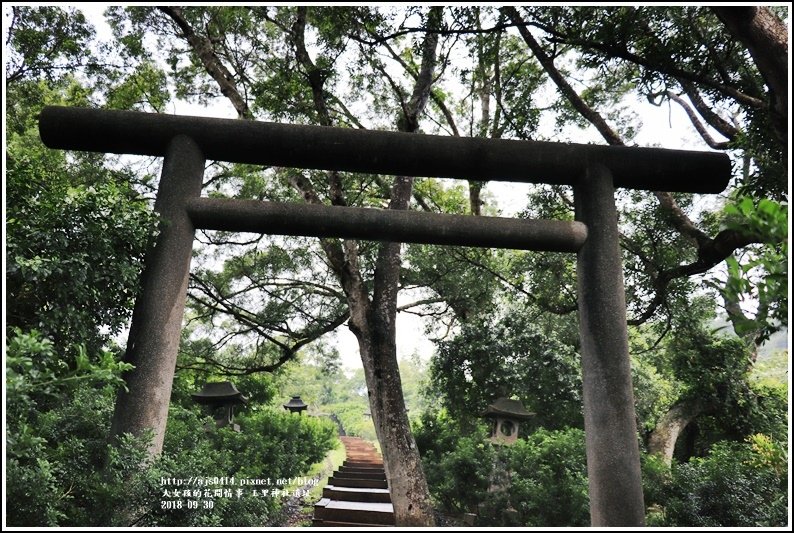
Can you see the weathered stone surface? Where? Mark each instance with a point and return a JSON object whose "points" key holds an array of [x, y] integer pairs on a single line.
{"points": [[159, 308], [613, 459], [385, 225], [383, 152]]}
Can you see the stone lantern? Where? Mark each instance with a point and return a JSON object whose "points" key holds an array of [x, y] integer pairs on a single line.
{"points": [[295, 405], [506, 415], [221, 396]]}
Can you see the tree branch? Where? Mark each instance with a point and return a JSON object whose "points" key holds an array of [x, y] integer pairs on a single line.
{"points": [[711, 252], [693, 118], [299, 339], [203, 48], [434, 96], [314, 75], [376, 39], [387, 266], [420, 303], [766, 38], [713, 119], [556, 310], [424, 79], [287, 352], [316, 78], [679, 218], [341, 259], [436, 100], [564, 87], [620, 51]]}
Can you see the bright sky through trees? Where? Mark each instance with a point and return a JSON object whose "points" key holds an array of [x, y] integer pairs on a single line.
{"points": [[665, 126]]}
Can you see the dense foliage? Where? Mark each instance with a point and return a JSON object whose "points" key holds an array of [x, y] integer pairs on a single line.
{"points": [[61, 470], [542, 479], [736, 484]]}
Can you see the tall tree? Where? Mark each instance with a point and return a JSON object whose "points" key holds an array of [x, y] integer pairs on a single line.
{"points": [[766, 38], [371, 297], [642, 41]]}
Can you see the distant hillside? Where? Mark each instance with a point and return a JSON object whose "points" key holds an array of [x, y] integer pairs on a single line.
{"points": [[778, 341]]}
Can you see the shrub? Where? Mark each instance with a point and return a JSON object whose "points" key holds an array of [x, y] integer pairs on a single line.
{"points": [[542, 477], [271, 444], [549, 479], [457, 466], [61, 471], [57, 422], [736, 485]]}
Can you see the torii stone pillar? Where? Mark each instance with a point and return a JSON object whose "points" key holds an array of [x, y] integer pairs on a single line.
{"points": [[159, 309], [613, 456]]}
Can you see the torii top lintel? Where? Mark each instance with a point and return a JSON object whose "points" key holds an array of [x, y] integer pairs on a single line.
{"points": [[382, 152]]}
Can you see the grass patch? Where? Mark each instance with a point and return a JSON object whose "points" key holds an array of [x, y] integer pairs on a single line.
{"points": [[324, 469]]}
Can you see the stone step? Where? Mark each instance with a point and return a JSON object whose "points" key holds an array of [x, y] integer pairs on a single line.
{"points": [[361, 469], [357, 494], [319, 507], [344, 474], [352, 494], [322, 503], [364, 464], [356, 512], [358, 483], [316, 522]]}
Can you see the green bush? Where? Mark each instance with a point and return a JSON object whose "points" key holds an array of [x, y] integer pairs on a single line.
{"points": [[57, 419], [549, 479], [271, 444], [768, 410], [735, 485], [457, 466], [542, 477], [656, 479], [61, 471], [77, 234]]}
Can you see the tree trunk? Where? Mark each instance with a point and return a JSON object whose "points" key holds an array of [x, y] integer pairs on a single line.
{"points": [[378, 336], [407, 485], [664, 436], [371, 320], [766, 38]]}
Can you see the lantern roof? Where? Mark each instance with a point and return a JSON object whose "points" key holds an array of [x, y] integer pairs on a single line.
{"points": [[219, 393], [507, 408], [295, 404]]}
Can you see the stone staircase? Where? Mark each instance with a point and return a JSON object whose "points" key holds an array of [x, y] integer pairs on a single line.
{"points": [[357, 494]]}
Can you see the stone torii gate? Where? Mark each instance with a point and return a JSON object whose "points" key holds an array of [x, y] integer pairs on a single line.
{"points": [[594, 171]]}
